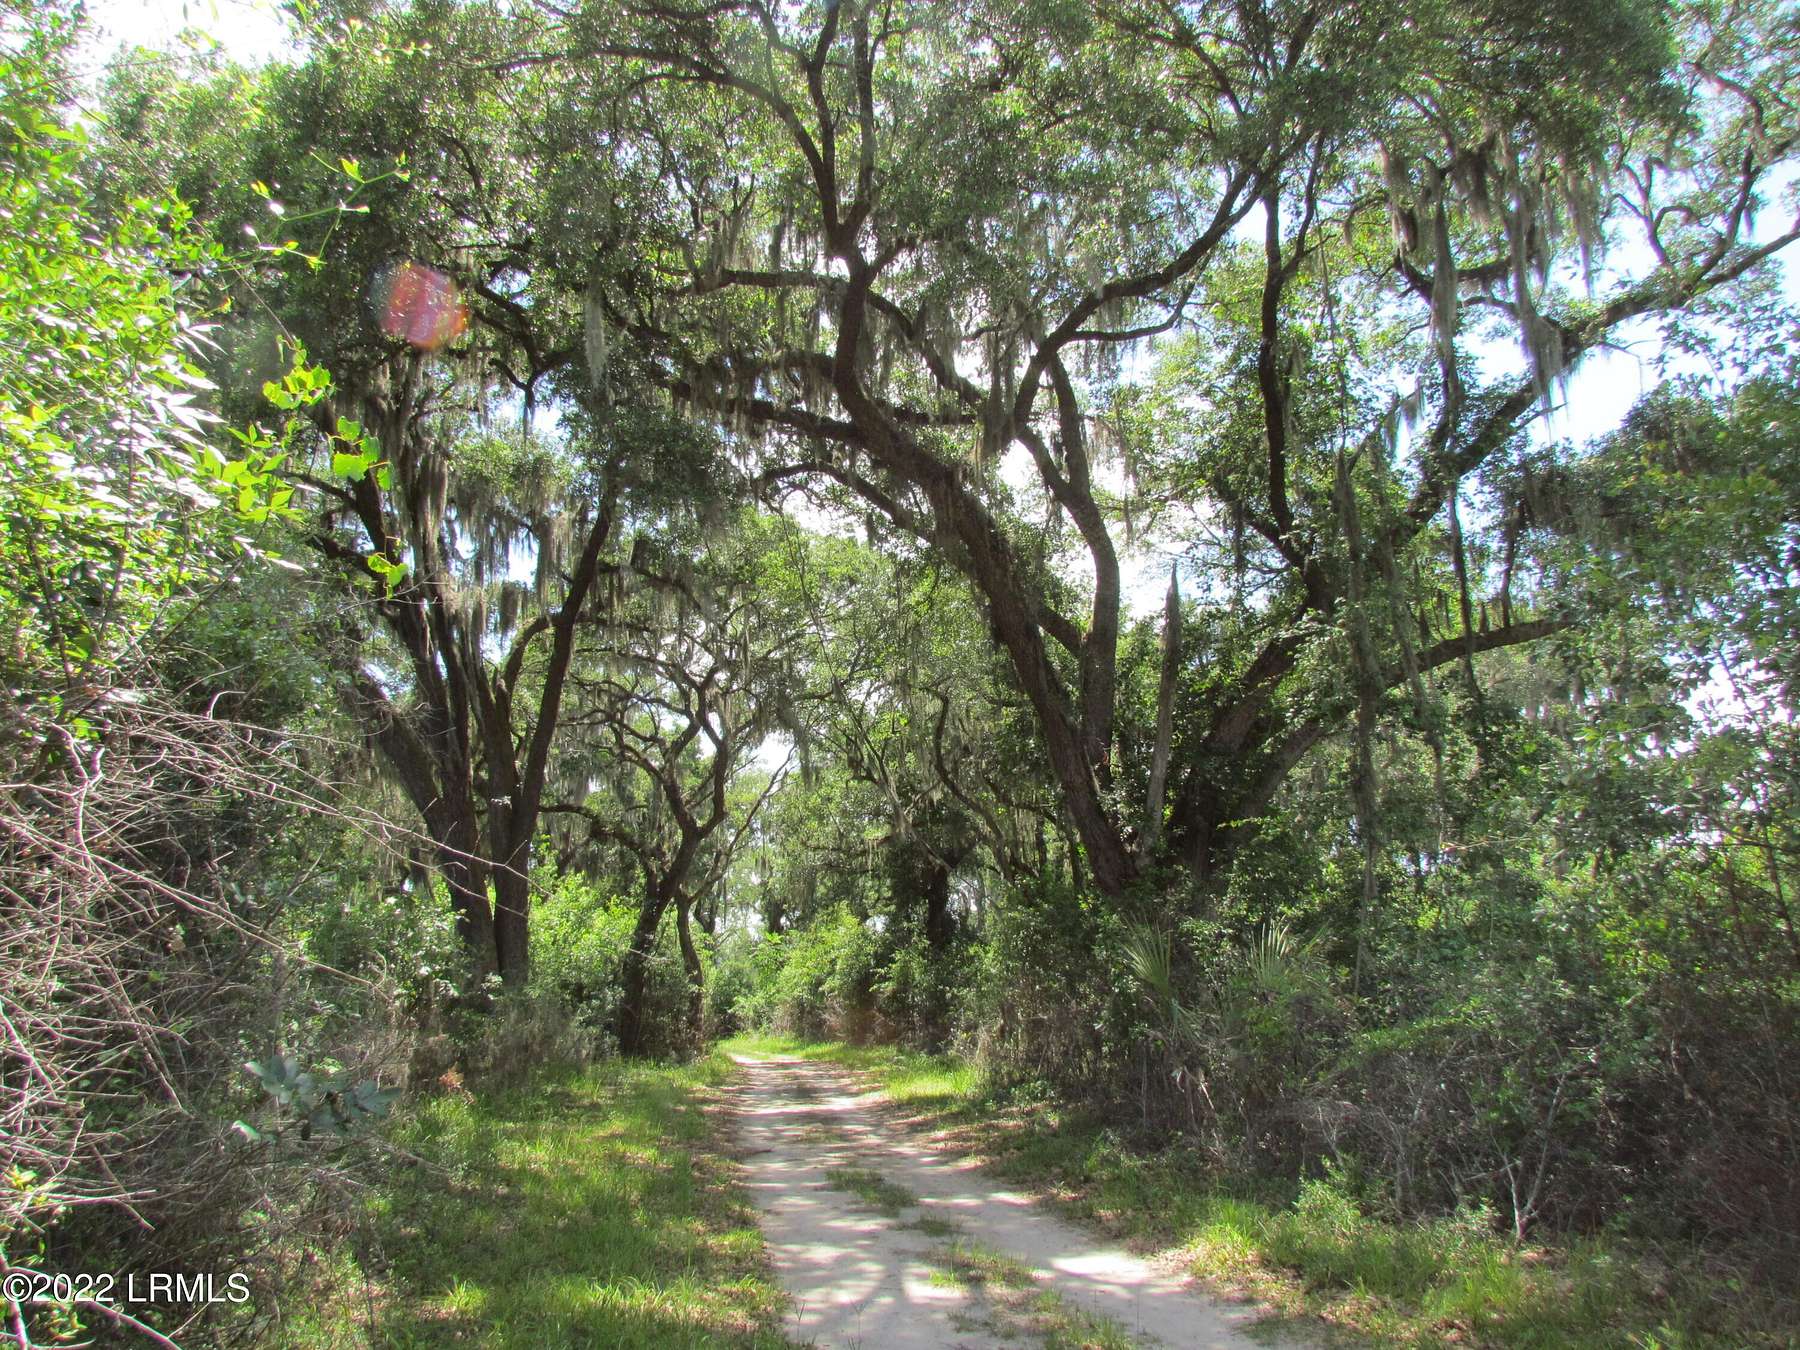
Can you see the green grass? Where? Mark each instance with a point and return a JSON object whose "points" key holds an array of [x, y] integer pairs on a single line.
{"points": [[1317, 1259], [932, 1226], [873, 1189], [1021, 1304], [590, 1208]]}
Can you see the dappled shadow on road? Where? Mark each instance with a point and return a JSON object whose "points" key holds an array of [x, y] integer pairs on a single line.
{"points": [[881, 1240]]}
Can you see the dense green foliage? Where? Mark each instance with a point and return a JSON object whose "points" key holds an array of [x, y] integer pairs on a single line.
{"points": [[1070, 533], [141, 818]]}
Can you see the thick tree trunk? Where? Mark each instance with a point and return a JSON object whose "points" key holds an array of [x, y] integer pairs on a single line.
{"points": [[634, 978], [696, 978], [467, 886], [939, 926], [510, 825], [512, 920], [455, 841], [1076, 736], [1068, 744]]}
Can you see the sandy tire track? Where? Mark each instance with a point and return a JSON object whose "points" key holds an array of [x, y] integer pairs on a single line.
{"points": [[861, 1277]]}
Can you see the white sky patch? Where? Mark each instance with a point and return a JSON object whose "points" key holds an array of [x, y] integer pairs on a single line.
{"points": [[252, 32], [773, 752], [815, 518]]}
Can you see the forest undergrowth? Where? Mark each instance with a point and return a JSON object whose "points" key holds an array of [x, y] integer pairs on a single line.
{"points": [[1312, 1253], [567, 1207], [1097, 537]]}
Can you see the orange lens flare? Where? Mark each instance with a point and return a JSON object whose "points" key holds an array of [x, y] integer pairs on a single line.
{"points": [[420, 305]]}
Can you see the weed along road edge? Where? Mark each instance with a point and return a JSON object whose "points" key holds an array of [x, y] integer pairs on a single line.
{"points": [[880, 1241]]}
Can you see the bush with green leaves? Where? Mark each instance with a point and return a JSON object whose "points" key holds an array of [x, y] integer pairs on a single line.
{"points": [[741, 966], [916, 991], [404, 936], [142, 810], [818, 980], [117, 490], [581, 932], [312, 1103], [1044, 1002]]}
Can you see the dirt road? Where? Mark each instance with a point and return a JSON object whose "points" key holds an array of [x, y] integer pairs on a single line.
{"points": [[883, 1242]]}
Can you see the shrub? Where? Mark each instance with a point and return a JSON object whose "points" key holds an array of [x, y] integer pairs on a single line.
{"points": [[579, 938], [818, 980], [1047, 1000]]}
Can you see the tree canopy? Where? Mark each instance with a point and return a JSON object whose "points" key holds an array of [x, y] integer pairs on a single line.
{"points": [[1080, 531]]}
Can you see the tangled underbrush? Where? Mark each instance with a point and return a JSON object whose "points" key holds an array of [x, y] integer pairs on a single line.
{"points": [[139, 969]]}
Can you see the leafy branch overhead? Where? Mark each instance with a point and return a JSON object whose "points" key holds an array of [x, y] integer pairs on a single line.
{"points": [[1106, 538]]}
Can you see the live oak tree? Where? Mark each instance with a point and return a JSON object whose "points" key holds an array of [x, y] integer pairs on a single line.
{"points": [[684, 673], [465, 544], [428, 546], [916, 253], [902, 244]]}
